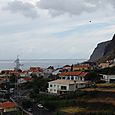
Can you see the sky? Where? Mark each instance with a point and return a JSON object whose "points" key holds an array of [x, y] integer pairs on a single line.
{"points": [[54, 29]]}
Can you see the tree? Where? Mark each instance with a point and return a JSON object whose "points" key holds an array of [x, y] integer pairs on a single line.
{"points": [[93, 76]]}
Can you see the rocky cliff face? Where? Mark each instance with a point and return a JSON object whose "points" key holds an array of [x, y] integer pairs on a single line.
{"points": [[99, 51], [104, 51], [109, 51]]}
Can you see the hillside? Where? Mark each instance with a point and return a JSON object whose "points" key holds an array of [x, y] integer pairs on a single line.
{"points": [[104, 51], [99, 51]]}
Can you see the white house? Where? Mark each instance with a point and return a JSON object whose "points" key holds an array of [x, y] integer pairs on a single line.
{"points": [[61, 86], [109, 78], [24, 80], [56, 72], [73, 75]]}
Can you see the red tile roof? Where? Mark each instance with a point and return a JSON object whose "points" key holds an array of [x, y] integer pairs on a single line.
{"points": [[35, 69], [7, 104], [74, 73], [70, 73], [81, 66], [83, 74]]}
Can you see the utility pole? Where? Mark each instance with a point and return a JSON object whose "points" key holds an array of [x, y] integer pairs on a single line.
{"points": [[17, 62], [17, 69]]}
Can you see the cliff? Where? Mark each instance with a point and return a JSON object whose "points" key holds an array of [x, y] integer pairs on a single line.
{"points": [[99, 51], [104, 51]]}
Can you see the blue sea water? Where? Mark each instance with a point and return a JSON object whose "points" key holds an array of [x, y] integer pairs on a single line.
{"points": [[44, 63]]}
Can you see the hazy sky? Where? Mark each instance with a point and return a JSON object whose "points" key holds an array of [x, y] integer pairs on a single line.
{"points": [[59, 29]]}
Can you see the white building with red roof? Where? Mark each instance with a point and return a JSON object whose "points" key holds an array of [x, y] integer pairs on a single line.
{"points": [[73, 75]]}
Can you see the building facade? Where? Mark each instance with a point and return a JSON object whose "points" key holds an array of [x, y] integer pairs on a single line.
{"points": [[109, 78], [61, 86]]}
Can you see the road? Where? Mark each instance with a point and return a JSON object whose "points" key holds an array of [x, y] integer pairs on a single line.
{"points": [[22, 94], [40, 111]]}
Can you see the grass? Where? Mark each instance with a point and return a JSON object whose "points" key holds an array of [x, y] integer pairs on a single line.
{"points": [[72, 109], [105, 85], [98, 89], [94, 101]]}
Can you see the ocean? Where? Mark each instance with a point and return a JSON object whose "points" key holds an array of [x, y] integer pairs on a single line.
{"points": [[44, 63]]}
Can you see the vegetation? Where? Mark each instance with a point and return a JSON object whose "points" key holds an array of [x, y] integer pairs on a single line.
{"points": [[93, 76], [26, 104], [38, 84], [108, 71], [84, 100]]}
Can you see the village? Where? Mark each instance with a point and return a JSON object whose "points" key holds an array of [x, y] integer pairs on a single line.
{"points": [[20, 90]]}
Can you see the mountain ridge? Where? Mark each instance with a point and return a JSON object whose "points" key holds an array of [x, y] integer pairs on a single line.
{"points": [[104, 51]]}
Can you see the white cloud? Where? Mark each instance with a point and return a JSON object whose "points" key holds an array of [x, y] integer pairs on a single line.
{"points": [[25, 8], [74, 7]]}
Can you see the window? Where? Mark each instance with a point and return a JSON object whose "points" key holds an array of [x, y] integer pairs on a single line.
{"points": [[54, 90], [50, 89], [54, 85], [50, 85], [72, 78], [63, 88]]}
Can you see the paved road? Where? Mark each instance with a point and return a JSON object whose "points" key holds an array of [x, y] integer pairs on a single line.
{"points": [[35, 109], [40, 111]]}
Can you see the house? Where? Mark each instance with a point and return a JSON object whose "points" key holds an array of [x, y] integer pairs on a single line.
{"points": [[56, 72], [81, 67], [50, 69], [24, 80], [104, 65], [66, 68], [108, 78], [36, 71], [24, 73], [61, 86], [73, 75], [8, 106]]}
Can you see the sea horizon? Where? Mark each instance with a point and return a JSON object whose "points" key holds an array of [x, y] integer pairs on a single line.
{"points": [[44, 63]]}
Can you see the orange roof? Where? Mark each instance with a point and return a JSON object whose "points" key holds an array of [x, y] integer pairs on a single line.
{"points": [[83, 74], [81, 66], [74, 73], [7, 104], [35, 69]]}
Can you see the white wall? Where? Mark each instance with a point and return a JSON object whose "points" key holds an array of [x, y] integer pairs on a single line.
{"points": [[70, 87], [74, 78], [107, 78], [57, 87]]}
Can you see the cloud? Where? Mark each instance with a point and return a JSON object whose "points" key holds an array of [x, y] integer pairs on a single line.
{"points": [[25, 8], [58, 7], [74, 7]]}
